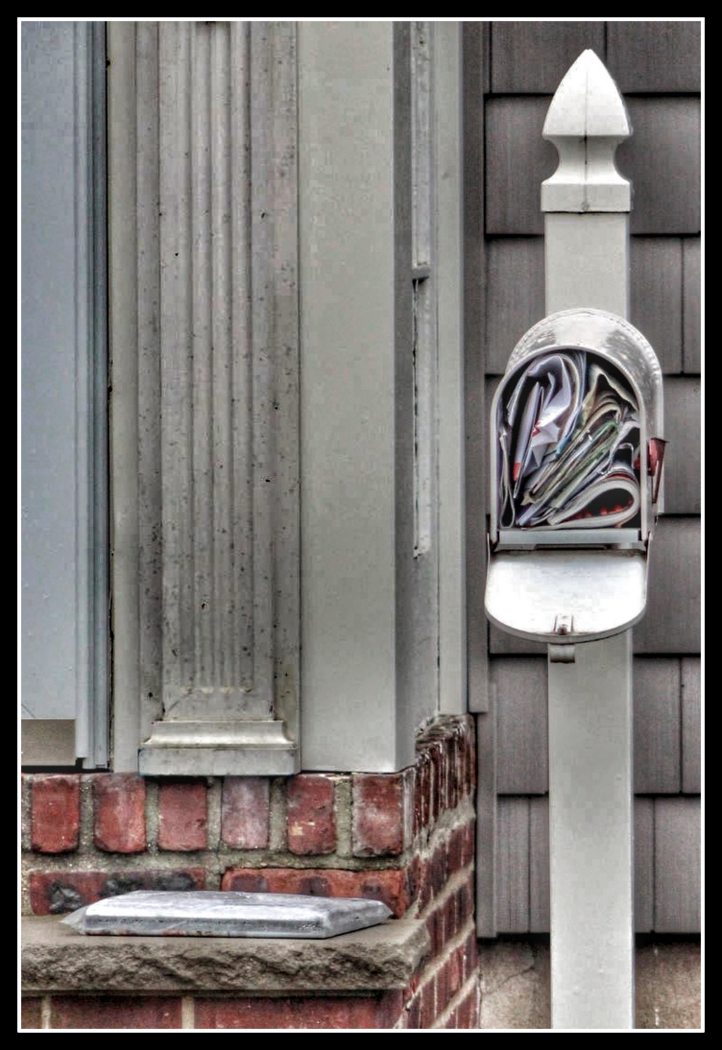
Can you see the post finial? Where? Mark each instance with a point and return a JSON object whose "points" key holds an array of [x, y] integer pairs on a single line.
{"points": [[586, 121]]}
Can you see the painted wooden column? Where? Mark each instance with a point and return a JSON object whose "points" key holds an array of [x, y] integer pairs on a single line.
{"points": [[204, 331], [586, 204]]}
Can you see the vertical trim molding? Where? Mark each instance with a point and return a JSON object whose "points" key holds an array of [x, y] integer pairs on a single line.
{"points": [[64, 392]]}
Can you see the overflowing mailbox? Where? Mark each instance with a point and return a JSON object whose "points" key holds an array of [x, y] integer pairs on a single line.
{"points": [[576, 460]]}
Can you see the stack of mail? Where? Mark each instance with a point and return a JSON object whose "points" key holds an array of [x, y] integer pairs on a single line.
{"points": [[569, 445]]}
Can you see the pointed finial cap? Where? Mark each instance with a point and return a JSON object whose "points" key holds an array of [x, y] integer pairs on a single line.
{"points": [[587, 103], [586, 121]]}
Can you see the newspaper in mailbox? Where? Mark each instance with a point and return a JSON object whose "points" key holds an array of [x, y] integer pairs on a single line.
{"points": [[569, 438]]}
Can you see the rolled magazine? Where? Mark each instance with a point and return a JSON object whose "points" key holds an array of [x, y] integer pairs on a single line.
{"points": [[569, 439]]}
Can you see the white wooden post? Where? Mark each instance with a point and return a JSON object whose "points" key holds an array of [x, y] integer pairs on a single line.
{"points": [[586, 204]]}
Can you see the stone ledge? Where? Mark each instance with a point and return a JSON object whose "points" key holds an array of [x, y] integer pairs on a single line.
{"points": [[56, 960]]}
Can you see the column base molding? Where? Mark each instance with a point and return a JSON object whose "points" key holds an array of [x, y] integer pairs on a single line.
{"points": [[243, 748]]}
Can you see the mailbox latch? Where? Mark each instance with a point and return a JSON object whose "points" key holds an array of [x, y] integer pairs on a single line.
{"points": [[562, 654]]}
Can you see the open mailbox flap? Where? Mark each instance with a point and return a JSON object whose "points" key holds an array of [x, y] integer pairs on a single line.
{"points": [[566, 595]]}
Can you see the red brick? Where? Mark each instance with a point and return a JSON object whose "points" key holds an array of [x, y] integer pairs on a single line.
{"points": [[414, 876], [245, 812], [390, 886], [452, 765], [378, 814], [96, 1011], [466, 902], [455, 850], [468, 1009], [451, 915], [322, 1012], [55, 823], [425, 892], [414, 1013], [432, 927], [183, 816], [52, 893], [244, 882], [30, 1016], [311, 816], [326, 1012], [428, 1004], [465, 967], [437, 781], [438, 870], [119, 812], [442, 988], [422, 791], [243, 1013], [471, 764], [472, 953], [453, 971], [462, 759], [391, 1008]]}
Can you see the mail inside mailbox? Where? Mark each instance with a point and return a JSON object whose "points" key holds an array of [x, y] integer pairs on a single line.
{"points": [[569, 434]]}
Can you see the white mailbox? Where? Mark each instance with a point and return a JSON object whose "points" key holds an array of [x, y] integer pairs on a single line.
{"points": [[576, 458]]}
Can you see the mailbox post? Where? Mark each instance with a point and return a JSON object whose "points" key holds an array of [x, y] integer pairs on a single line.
{"points": [[573, 573]]}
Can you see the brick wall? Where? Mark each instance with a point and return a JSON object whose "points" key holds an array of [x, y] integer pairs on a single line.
{"points": [[405, 838]]}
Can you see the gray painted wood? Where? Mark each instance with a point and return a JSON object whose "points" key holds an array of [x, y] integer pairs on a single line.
{"points": [[484, 36], [534, 56], [210, 530], [654, 56], [643, 864], [64, 382], [486, 825], [503, 644], [512, 865], [682, 424], [691, 725], [134, 270], [657, 730], [518, 157], [475, 420], [520, 690], [678, 893], [672, 622], [449, 163], [590, 827], [656, 296], [515, 295], [538, 865], [677, 854], [357, 394], [229, 377], [691, 309], [662, 159], [417, 250]]}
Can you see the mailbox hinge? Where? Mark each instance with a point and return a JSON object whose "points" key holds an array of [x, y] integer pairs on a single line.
{"points": [[561, 654]]}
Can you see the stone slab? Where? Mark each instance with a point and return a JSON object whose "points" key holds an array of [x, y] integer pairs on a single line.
{"points": [[55, 959]]}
